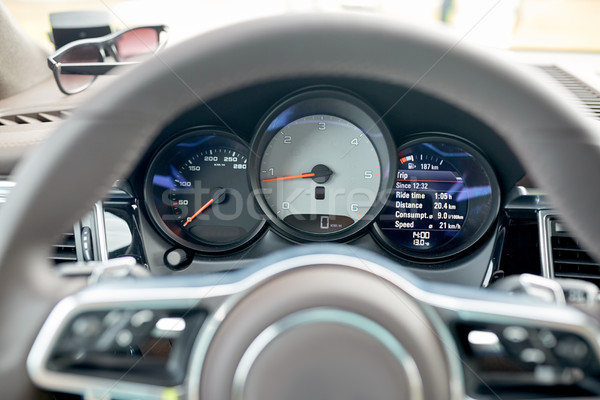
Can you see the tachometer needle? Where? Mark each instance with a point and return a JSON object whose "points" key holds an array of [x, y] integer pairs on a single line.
{"points": [[204, 207], [320, 174], [283, 178]]}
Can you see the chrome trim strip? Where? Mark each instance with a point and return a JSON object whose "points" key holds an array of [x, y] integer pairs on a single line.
{"points": [[89, 387], [544, 217], [101, 298], [522, 198], [101, 231], [488, 274], [549, 289], [310, 316]]}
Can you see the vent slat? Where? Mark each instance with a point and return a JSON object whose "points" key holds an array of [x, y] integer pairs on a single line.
{"points": [[34, 118], [7, 121], [569, 259], [587, 95], [26, 119], [65, 250], [577, 262], [47, 117]]}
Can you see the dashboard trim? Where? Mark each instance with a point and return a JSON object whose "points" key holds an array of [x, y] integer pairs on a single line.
{"points": [[101, 231], [544, 219]]}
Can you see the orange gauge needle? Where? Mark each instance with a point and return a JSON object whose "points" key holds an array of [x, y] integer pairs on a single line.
{"points": [[283, 178], [320, 174], [204, 207]]}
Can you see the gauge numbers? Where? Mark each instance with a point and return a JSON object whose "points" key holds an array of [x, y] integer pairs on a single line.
{"points": [[320, 174], [198, 193], [445, 199], [321, 165]]}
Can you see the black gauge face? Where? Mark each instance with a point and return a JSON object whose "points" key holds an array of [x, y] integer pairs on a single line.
{"points": [[445, 198], [197, 192], [323, 166]]}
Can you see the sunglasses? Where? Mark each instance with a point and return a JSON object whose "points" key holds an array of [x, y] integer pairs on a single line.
{"points": [[77, 64]]}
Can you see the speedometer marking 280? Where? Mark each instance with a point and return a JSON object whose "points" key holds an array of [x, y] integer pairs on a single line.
{"points": [[198, 194]]}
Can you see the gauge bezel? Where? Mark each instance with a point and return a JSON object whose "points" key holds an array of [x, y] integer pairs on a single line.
{"points": [[337, 103], [154, 215], [478, 228]]}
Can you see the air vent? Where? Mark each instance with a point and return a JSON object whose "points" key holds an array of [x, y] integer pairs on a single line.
{"points": [[34, 118], [588, 96], [568, 258], [62, 252], [65, 250]]}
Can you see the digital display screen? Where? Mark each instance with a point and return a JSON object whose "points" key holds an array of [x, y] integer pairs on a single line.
{"points": [[443, 199], [318, 223]]}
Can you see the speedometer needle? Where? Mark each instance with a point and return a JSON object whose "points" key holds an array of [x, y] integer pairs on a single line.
{"points": [[219, 197], [204, 207]]}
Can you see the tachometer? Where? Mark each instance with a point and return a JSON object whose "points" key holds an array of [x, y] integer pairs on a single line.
{"points": [[197, 191], [445, 198], [322, 166]]}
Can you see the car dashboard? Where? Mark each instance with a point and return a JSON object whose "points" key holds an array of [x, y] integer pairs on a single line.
{"points": [[403, 174], [391, 179]]}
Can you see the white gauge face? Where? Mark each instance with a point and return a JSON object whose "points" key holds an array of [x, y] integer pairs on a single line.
{"points": [[320, 174]]}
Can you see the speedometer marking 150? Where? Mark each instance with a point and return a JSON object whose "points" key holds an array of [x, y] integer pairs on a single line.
{"points": [[198, 194]]}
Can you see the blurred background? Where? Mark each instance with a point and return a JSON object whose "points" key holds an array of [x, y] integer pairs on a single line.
{"points": [[559, 25]]}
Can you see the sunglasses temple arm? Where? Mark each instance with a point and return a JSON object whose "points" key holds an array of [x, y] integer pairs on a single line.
{"points": [[92, 68]]}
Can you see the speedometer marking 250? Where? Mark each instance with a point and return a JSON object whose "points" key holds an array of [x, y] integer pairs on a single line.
{"points": [[197, 192]]}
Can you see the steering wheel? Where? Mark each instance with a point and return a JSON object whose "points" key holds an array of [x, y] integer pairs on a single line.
{"points": [[104, 139]]}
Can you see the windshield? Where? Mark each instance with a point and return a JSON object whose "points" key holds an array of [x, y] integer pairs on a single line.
{"points": [[558, 25]]}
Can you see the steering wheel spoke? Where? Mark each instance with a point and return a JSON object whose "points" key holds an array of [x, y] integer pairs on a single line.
{"points": [[195, 336]]}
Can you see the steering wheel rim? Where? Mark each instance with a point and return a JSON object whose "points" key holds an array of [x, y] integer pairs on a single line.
{"points": [[104, 138]]}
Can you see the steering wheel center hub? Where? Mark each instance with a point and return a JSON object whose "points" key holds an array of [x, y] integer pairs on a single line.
{"points": [[326, 353], [336, 329]]}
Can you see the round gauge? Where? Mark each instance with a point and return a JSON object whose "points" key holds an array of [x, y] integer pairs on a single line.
{"points": [[445, 199], [322, 168], [197, 191]]}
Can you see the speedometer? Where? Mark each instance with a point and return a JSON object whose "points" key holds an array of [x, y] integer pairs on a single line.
{"points": [[322, 165], [445, 199], [197, 191]]}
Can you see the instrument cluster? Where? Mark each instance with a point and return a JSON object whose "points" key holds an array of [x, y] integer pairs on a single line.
{"points": [[322, 166]]}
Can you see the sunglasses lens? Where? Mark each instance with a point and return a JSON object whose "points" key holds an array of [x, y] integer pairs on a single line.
{"points": [[136, 42], [80, 54]]}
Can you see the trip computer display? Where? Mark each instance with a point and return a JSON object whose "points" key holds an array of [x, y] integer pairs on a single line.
{"points": [[445, 198]]}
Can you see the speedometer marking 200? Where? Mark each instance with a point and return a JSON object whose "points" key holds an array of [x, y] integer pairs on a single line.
{"points": [[197, 192]]}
